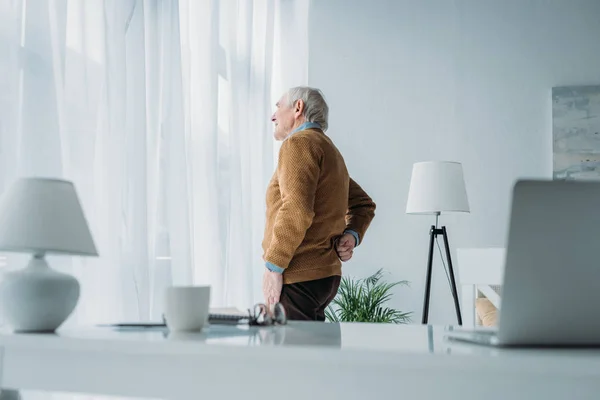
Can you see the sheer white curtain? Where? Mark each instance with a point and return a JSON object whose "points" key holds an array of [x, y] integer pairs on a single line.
{"points": [[159, 111], [231, 61]]}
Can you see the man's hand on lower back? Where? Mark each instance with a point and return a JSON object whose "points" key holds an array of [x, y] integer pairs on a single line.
{"points": [[272, 285], [345, 246]]}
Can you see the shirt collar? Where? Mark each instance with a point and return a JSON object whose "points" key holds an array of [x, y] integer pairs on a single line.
{"points": [[305, 126]]}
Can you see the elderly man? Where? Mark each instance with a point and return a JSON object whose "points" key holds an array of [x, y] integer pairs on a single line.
{"points": [[316, 214]]}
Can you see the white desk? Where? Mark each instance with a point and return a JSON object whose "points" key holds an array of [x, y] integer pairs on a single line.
{"points": [[346, 361]]}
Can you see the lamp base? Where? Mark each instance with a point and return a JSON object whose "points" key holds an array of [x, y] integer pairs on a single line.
{"points": [[37, 298]]}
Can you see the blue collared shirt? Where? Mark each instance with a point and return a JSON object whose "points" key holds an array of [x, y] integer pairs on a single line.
{"points": [[305, 126]]}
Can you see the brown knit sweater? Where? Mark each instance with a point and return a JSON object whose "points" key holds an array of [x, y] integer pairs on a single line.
{"points": [[311, 200]]}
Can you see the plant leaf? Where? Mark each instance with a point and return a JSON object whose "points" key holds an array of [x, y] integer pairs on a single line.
{"points": [[363, 300]]}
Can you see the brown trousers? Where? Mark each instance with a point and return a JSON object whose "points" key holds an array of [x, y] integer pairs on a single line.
{"points": [[308, 300]]}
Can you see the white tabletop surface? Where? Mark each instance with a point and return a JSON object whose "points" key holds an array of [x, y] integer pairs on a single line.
{"points": [[154, 363], [306, 336]]}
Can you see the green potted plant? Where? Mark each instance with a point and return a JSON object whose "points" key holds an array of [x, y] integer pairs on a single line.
{"points": [[363, 300]]}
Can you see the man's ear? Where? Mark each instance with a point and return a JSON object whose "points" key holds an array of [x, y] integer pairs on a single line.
{"points": [[299, 107]]}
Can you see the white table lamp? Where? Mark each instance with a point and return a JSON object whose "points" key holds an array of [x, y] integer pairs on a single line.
{"points": [[41, 216], [437, 187]]}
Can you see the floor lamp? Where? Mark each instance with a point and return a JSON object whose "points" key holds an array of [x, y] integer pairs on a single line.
{"points": [[438, 187]]}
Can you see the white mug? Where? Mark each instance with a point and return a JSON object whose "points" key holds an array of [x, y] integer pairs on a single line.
{"points": [[186, 308]]}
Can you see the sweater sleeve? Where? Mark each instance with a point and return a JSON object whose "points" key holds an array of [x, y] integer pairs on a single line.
{"points": [[298, 172], [361, 210]]}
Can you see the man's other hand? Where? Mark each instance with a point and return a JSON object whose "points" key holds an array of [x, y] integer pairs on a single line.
{"points": [[345, 246], [272, 285]]}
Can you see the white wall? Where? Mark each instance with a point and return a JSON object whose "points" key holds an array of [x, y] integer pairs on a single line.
{"points": [[464, 80]]}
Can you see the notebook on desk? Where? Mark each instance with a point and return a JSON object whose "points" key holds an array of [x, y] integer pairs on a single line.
{"points": [[217, 316], [227, 316]]}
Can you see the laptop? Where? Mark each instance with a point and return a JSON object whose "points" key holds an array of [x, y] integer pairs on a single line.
{"points": [[551, 288]]}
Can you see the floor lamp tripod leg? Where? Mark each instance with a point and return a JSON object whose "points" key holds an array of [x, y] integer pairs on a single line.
{"points": [[452, 280], [428, 279]]}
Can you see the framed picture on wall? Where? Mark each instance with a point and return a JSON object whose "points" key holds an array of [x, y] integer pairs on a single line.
{"points": [[576, 132]]}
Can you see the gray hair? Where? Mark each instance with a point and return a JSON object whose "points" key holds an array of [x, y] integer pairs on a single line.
{"points": [[315, 107]]}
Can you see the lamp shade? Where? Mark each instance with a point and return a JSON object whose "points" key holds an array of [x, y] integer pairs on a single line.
{"points": [[436, 187], [42, 215]]}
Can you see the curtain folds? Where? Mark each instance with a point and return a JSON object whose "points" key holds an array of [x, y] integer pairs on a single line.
{"points": [[158, 111]]}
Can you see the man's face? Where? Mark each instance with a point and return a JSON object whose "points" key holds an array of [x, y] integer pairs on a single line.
{"points": [[284, 118]]}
